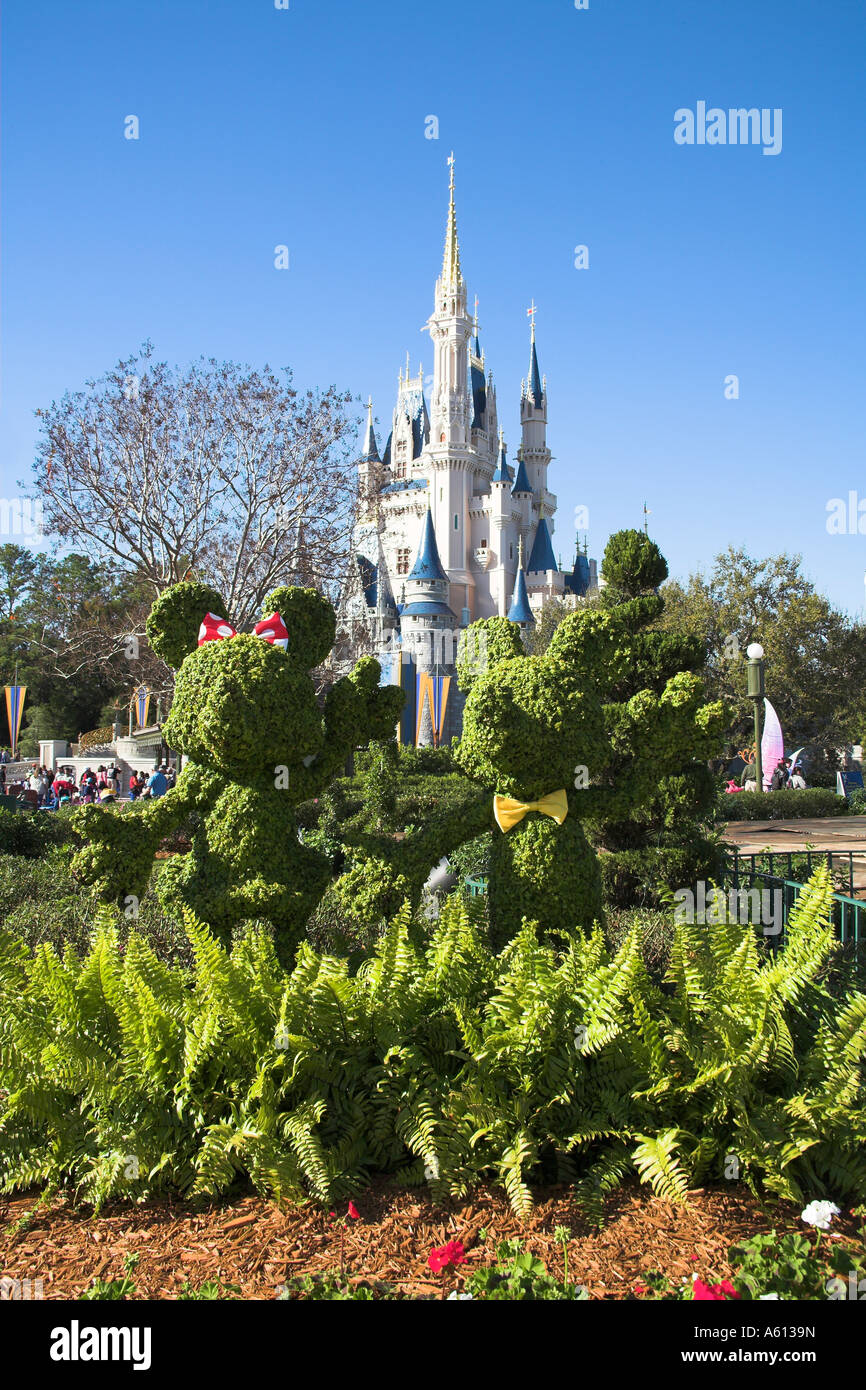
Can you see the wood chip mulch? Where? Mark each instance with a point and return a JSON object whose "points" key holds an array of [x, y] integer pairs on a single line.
{"points": [[257, 1246]]}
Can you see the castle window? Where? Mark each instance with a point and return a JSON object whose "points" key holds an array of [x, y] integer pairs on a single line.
{"points": [[441, 439], [511, 552], [456, 522], [483, 542], [402, 561]]}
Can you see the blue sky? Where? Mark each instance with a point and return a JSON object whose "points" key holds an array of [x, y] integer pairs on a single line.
{"points": [[306, 127]]}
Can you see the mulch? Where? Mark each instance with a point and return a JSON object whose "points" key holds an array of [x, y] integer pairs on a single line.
{"points": [[257, 1246]]}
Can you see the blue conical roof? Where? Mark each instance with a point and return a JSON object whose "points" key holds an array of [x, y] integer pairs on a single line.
{"points": [[503, 473], [521, 482], [542, 557], [578, 581], [370, 451], [534, 376], [427, 563], [520, 611]]}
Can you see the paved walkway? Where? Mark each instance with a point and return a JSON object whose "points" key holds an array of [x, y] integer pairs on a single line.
{"points": [[840, 834]]}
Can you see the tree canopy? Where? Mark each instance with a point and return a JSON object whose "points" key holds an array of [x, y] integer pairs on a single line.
{"points": [[815, 655], [219, 469]]}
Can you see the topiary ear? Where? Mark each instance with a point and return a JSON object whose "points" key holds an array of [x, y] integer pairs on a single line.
{"points": [[176, 616], [483, 644], [310, 621]]}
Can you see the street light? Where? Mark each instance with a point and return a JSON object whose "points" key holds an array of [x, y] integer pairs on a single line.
{"points": [[755, 691]]}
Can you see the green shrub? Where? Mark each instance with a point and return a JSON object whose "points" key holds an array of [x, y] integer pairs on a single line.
{"points": [[785, 805], [380, 786], [643, 877], [33, 833], [41, 904], [426, 762], [655, 932], [441, 1064]]}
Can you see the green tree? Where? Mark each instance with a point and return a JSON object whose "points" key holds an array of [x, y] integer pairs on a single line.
{"points": [[815, 655], [17, 571]]}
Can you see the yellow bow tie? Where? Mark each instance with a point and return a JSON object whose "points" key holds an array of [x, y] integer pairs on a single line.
{"points": [[508, 811]]}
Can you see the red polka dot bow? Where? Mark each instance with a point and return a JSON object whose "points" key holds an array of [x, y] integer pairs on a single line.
{"points": [[272, 629]]}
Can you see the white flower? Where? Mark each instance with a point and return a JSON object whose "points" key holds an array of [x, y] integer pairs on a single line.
{"points": [[819, 1214], [454, 1296], [765, 1296]]}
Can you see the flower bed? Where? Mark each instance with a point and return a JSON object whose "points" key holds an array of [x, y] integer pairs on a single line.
{"points": [[253, 1250]]}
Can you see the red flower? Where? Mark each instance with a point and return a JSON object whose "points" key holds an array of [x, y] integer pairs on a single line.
{"points": [[717, 1292], [639, 1289], [443, 1255], [353, 1212]]}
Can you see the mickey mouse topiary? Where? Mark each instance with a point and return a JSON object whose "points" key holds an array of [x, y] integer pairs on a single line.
{"points": [[245, 714], [557, 742]]}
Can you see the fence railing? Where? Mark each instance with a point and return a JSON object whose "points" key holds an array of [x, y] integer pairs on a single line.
{"points": [[836, 860], [849, 913], [475, 887]]}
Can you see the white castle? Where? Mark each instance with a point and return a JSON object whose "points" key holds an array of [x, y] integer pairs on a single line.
{"points": [[447, 532]]}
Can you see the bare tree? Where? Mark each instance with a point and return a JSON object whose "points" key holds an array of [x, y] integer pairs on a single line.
{"points": [[221, 470]]}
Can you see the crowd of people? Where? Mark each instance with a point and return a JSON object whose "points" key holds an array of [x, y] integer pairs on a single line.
{"points": [[49, 790], [785, 775]]}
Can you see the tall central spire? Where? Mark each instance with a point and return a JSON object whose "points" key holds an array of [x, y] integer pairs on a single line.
{"points": [[452, 276]]}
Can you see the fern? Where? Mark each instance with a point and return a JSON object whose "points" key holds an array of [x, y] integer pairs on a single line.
{"points": [[121, 1076]]}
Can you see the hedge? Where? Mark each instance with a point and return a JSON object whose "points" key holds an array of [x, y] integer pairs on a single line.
{"points": [[784, 805]]}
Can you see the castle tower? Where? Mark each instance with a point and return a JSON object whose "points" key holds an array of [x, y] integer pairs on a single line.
{"points": [[427, 623], [369, 471], [533, 419], [443, 493], [451, 458], [523, 495], [500, 525], [426, 616], [520, 611]]}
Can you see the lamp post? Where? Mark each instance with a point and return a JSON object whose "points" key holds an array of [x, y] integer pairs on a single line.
{"points": [[755, 691]]}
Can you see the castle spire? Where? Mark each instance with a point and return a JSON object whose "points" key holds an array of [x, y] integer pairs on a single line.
{"points": [[370, 451], [452, 276], [534, 387]]}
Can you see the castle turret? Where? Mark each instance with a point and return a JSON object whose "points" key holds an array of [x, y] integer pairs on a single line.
{"points": [[426, 615], [520, 611], [500, 526], [533, 419], [369, 470], [542, 568], [523, 496]]}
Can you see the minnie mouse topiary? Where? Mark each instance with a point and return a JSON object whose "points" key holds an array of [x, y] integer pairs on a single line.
{"points": [[245, 714]]}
